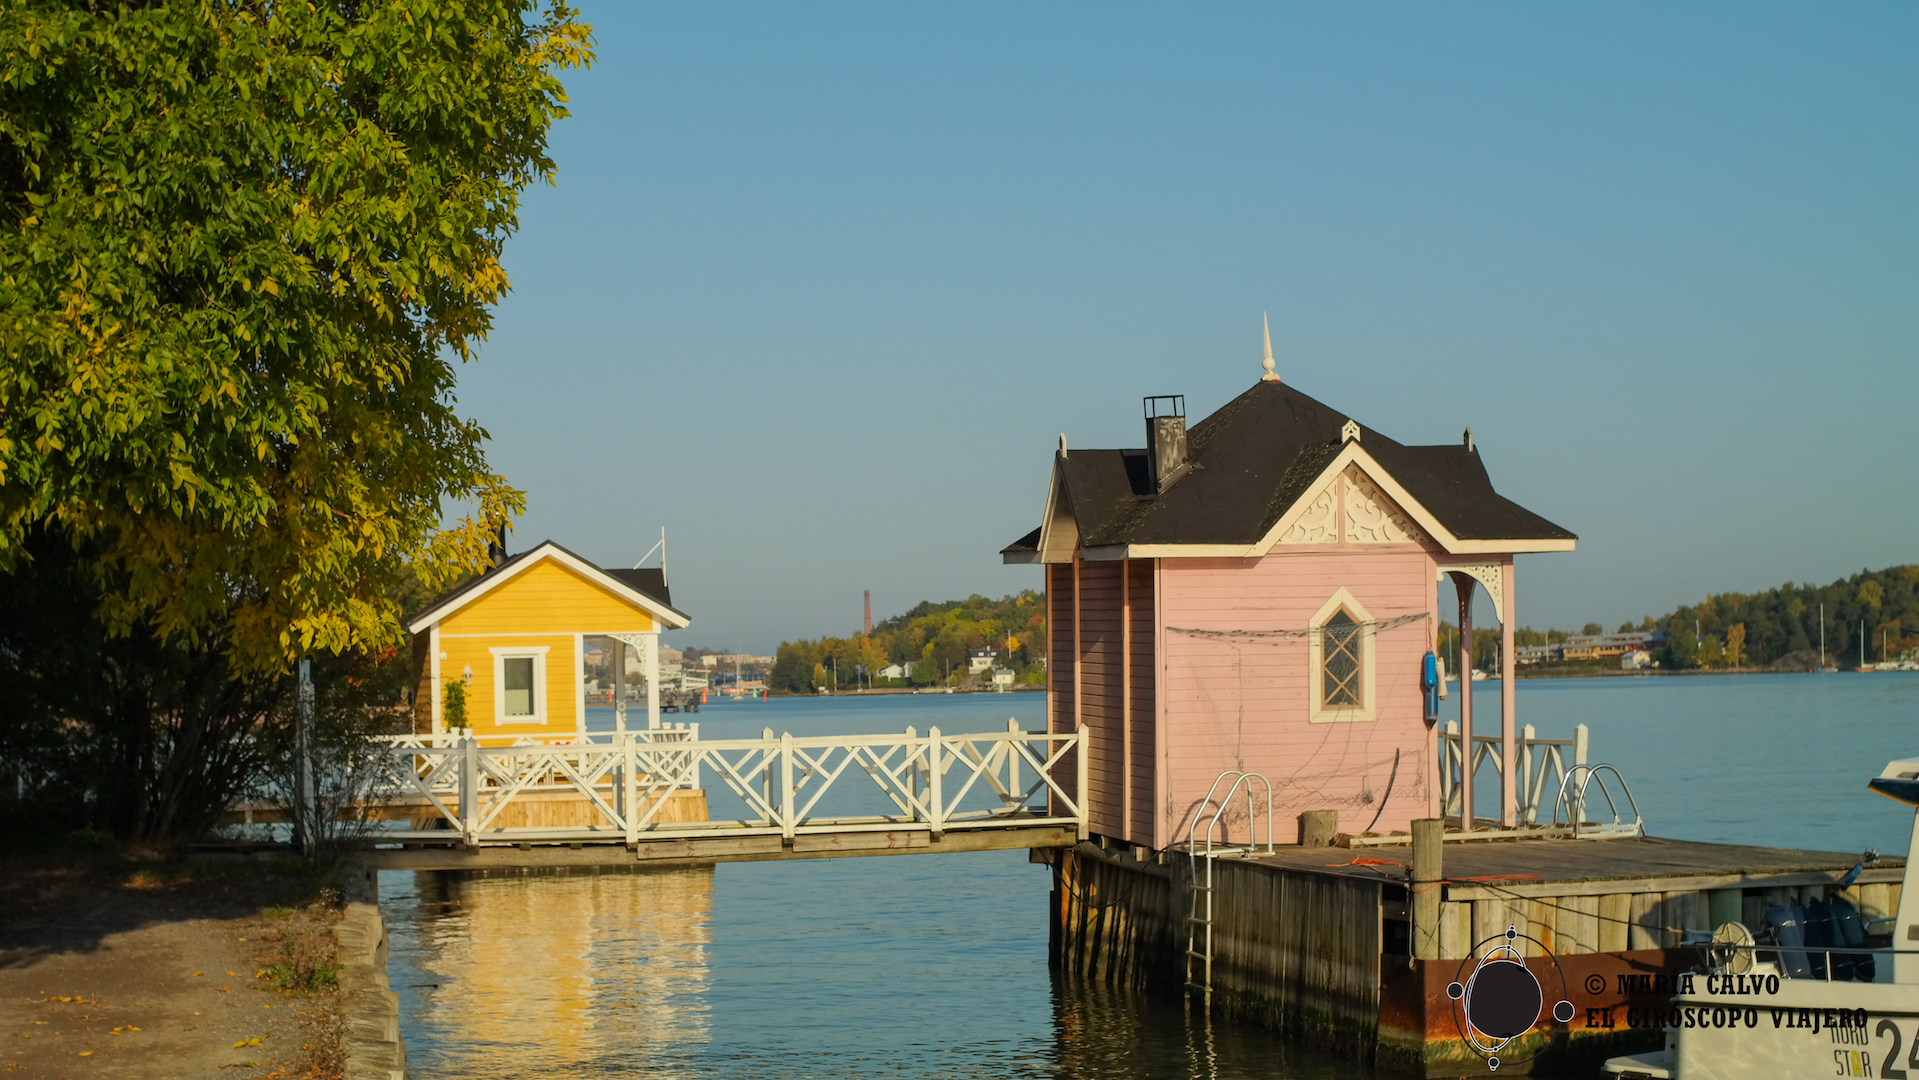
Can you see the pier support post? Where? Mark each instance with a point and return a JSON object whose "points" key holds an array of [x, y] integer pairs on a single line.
{"points": [[1316, 828], [1428, 871]]}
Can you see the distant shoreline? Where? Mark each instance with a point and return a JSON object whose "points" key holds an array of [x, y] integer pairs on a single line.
{"points": [[1682, 673], [904, 690]]}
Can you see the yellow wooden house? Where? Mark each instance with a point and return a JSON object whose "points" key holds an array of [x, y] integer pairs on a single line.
{"points": [[516, 638]]}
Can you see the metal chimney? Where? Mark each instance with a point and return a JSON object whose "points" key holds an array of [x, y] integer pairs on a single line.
{"points": [[1166, 439], [496, 549]]}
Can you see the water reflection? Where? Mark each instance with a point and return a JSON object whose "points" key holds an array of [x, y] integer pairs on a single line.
{"points": [[1107, 1034], [899, 967], [550, 975]]}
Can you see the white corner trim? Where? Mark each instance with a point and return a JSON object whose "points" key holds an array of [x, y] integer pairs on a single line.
{"points": [[1368, 709], [434, 690], [579, 678]]}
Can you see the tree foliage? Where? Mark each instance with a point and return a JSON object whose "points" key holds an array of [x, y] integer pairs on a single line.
{"points": [[142, 738], [1781, 626], [243, 245], [933, 636]]}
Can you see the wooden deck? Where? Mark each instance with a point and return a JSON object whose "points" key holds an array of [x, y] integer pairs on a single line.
{"points": [[1591, 868], [1586, 896]]}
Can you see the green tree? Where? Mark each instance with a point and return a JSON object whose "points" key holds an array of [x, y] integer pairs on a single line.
{"points": [[1593, 628], [242, 242], [1872, 594], [1682, 645], [926, 670]]}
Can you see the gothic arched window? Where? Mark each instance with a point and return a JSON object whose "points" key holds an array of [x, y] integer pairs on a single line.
{"points": [[1342, 663], [1341, 678]]}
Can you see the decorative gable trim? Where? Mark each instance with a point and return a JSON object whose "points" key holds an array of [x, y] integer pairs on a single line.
{"points": [[1371, 517], [1318, 522], [1059, 529]]}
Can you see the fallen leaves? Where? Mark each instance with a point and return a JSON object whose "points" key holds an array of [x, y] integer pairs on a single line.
{"points": [[255, 1041]]}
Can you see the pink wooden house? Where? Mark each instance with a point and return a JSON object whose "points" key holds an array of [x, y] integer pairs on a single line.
{"points": [[1259, 593]]}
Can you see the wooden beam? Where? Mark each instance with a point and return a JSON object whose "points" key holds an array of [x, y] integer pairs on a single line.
{"points": [[1688, 883], [715, 850]]}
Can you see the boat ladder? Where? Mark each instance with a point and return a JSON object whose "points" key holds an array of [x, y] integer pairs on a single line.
{"points": [[1201, 852]]}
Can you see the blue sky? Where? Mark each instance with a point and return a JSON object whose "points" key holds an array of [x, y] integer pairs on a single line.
{"points": [[820, 285]]}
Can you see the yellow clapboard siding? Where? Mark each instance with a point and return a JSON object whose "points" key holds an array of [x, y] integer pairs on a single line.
{"points": [[548, 598], [482, 696]]}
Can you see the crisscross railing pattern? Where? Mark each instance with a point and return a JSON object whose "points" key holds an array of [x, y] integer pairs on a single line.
{"points": [[1536, 760], [788, 785]]}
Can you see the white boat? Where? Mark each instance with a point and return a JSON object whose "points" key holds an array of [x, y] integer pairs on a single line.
{"points": [[1745, 1016]]}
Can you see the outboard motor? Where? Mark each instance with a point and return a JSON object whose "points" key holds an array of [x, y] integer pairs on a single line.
{"points": [[1820, 924], [1852, 933], [1788, 932]]}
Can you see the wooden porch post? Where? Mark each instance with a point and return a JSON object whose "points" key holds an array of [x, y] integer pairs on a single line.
{"points": [[1508, 679], [1464, 584], [618, 650], [650, 664]]}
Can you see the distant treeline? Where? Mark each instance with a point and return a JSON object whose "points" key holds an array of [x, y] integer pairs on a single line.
{"points": [[934, 638], [1775, 628]]}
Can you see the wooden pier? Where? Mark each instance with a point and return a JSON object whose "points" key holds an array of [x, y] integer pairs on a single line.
{"points": [[1319, 941], [456, 801]]}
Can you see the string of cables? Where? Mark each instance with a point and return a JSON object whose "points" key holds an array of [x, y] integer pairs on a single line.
{"points": [[1375, 625]]}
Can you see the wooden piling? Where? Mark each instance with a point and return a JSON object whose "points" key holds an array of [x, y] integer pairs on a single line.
{"points": [[1317, 828], [1428, 871]]}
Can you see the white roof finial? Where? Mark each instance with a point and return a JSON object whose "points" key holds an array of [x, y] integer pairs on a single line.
{"points": [[1271, 375]]}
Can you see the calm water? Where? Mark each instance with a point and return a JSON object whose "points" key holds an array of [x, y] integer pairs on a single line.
{"points": [[935, 966]]}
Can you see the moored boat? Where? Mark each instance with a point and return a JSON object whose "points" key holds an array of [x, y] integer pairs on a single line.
{"points": [[1808, 995]]}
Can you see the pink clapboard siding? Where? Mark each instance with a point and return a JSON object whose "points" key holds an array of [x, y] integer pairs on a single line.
{"points": [[1102, 675], [1241, 703]]}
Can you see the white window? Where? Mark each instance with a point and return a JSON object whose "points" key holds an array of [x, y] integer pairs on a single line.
{"points": [[519, 685], [1341, 683]]}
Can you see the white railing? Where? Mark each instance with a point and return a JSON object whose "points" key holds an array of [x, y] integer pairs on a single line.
{"points": [[1534, 758], [935, 783]]}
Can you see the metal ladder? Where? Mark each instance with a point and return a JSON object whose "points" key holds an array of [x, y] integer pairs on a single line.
{"points": [[1199, 873]]}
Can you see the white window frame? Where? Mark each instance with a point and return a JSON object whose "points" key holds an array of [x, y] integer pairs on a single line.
{"points": [[1368, 708], [501, 654]]}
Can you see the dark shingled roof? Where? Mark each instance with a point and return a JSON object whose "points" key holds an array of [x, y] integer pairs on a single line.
{"points": [[1253, 459], [650, 582], [1024, 545]]}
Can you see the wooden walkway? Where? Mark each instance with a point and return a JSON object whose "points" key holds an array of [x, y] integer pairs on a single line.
{"points": [[637, 797]]}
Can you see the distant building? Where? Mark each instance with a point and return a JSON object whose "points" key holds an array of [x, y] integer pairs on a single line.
{"points": [[1003, 677], [1610, 646], [1535, 654], [1634, 661], [728, 660], [896, 671], [978, 660]]}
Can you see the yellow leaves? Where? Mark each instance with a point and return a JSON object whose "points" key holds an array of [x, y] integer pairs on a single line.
{"points": [[255, 1041]]}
